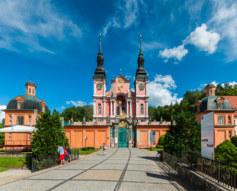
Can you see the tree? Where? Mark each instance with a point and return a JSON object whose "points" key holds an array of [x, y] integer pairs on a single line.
{"points": [[184, 135], [161, 113], [78, 113], [161, 140], [1, 135], [226, 152], [226, 90], [49, 134], [234, 140]]}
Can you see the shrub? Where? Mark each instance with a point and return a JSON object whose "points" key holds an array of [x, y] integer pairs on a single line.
{"points": [[161, 140], [226, 152], [234, 140]]}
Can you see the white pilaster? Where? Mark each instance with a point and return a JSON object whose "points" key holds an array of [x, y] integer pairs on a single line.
{"points": [[127, 108]]}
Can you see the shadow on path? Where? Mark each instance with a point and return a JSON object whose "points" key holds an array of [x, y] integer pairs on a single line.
{"points": [[160, 176]]}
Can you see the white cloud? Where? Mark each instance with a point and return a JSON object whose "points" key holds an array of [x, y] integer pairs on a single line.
{"points": [[176, 53], [233, 83], [151, 45], [160, 91], [200, 37], [125, 16], [25, 22], [2, 113], [224, 20], [76, 103], [204, 39]]}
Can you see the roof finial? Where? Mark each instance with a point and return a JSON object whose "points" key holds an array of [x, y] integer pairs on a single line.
{"points": [[140, 49], [100, 43]]}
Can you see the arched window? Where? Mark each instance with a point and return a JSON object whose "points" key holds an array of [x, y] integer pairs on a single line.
{"points": [[229, 119], [142, 109], [221, 120], [99, 109], [30, 120]]}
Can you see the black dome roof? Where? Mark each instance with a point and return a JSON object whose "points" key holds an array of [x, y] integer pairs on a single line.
{"points": [[29, 103]]}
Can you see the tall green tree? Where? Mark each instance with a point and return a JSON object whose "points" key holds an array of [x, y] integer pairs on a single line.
{"points": [[49, 134], [78, 113], [226, 90], [184, 135]]}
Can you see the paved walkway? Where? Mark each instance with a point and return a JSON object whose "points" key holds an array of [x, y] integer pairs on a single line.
{"points": [[113, 170]]}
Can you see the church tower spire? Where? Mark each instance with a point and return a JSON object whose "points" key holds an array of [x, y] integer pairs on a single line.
{"points": [[100, 72], [141, 73], [140, 84]]}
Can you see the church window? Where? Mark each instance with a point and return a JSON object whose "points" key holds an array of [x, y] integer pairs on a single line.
{"points": [[19, 105], [20, 120], [99, 109], [229, 119], [142, 109], [221, 120], [235, 119], [30, 120]]}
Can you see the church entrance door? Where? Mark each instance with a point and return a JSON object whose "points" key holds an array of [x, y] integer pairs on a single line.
{"points": [[122, 137]]}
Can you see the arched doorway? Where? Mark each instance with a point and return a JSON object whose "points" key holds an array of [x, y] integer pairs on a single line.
{"points": [[123, 134]]}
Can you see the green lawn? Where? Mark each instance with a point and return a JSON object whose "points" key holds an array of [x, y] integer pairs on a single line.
{"points": [[11, 162], [158, 148], [2, 169], [86, 151]]}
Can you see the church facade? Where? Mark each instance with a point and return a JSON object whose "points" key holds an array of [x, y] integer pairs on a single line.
{"points": [[120, 100], [120, 114]]}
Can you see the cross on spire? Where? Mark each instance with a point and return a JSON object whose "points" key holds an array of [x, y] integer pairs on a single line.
{"points": [[100, 43], [140, 49]]}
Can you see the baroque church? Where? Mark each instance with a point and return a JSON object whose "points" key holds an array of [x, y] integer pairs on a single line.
{"points": [[120, 101], [120, 114]]}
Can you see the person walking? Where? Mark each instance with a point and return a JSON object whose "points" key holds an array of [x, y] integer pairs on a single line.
{"points": [[61, 154], [66, 157]]}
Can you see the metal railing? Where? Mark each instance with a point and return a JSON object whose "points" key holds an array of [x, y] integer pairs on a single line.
{"points": [[50, 161], [224, 174]]}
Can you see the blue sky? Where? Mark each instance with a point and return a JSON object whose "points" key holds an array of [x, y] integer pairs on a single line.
{"points": [[54, 44]]}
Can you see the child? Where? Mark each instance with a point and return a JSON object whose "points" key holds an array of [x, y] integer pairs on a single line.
{"points": [[61, 154]]}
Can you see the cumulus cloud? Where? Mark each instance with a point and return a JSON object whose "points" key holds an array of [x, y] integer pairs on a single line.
{"points": [[76, 103], [125, 16], [27, 22], [2, 113], [204, 39], [160, 91], [201, 37], [176, 53]]}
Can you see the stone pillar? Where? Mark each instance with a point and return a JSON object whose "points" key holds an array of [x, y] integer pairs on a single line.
{"points": [[138, 137], [116, 136], [115, 107], [149, 137], [127, 108], [131, 114], [147, 109], [110, 108], [104, 108]]}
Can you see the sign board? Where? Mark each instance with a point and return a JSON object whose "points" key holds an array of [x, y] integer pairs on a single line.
{"points": [[207, 136]]}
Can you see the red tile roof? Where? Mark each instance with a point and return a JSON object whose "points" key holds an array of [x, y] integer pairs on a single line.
{"points": [[232, 100]]}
